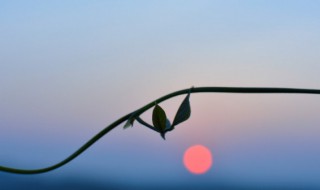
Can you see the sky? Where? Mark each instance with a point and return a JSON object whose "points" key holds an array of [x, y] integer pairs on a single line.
{"points": [[70, 68]]}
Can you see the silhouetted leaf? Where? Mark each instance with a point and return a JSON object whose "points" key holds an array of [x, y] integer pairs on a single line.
{"points": [[159, 119], [183, 112], [168, 127], [163, 135], [168, 124], [129, 122]]}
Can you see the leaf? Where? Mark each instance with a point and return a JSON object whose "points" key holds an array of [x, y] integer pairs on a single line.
{"points": [[163, 135], [168, 127], [129, 122], [183, 112], [159, 119], [168, 124]]}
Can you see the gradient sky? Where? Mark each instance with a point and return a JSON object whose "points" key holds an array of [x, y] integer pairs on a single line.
{"points": [[70, 68]]}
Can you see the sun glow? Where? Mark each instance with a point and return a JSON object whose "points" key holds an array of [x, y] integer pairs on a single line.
{"points": [[198, 159]]}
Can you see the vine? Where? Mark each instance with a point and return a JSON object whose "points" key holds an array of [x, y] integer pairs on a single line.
{"points": [[161, 123]]}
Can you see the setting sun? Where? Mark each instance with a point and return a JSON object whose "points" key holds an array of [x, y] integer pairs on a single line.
{"points": [[197, 159]]}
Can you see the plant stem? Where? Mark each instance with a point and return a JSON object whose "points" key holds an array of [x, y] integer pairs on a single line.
{"points": [[140, 111]]}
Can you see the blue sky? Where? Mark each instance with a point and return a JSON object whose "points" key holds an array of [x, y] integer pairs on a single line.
{"points": [[69, 68]]}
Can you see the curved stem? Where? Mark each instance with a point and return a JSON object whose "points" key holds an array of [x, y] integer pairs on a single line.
{"points": [[142, 122], [138, 112]]}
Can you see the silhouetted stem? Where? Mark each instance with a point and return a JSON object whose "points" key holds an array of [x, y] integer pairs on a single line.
{"points": [[140, 111], [146, 124]]}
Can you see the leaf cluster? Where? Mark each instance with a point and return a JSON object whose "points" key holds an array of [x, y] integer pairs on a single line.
{"points": [[161, 123]]}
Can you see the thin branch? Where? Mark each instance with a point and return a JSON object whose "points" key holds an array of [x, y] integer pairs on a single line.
{"points": [[150, 105], [142, 122]]}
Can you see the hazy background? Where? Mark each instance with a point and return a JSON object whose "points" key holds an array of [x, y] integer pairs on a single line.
{"points": [[70, 68]]}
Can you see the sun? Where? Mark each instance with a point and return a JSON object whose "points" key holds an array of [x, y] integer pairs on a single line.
{"points": [[197, 159]]}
